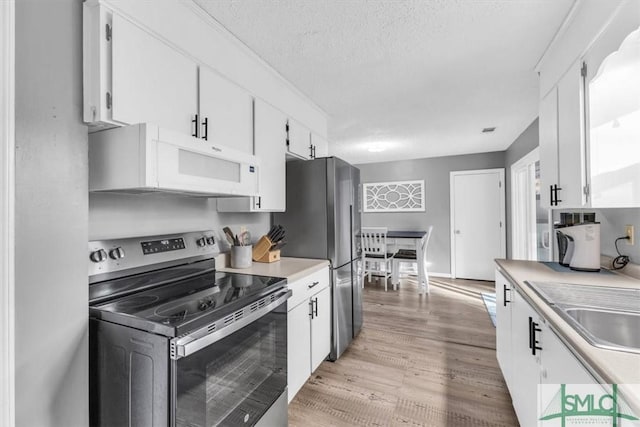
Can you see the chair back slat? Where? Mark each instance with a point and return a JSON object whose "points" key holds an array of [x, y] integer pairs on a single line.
{"points": [[374, 240]]}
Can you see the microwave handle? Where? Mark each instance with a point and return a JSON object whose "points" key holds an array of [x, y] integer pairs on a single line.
{"points": [[187, 345]]}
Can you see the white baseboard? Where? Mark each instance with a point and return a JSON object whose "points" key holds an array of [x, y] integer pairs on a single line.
{"points": [[434, 274]]}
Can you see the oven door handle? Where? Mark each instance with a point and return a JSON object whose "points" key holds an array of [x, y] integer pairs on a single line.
{"points": [[188, 344]]}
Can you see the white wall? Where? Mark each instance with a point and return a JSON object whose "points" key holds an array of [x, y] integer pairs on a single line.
{"points": [[51, 348], [7, 163], [114, 215]]}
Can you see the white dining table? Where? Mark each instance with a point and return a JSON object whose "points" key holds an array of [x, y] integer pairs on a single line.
{"points": [[407, 239]]}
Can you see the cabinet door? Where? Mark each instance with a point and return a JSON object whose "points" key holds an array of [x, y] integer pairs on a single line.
{"points": [[571, 147], [299, 140], [526, 366], [548, 128], [321, 146], [503, 327], [298, 347], [228, 110], [320, 328], [151, 82], [559, 365], [270, 146]]}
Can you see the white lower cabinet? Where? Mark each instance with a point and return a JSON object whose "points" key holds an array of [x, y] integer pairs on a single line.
{"points": [[526, 364], [503, 327], [298, 347], [320, 327], [530, 353], [308, 328]]}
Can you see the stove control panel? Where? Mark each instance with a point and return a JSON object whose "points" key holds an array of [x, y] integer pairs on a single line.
{"points": [[107, 256]]}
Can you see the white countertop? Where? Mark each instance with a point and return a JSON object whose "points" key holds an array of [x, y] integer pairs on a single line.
{"points": [[291, 268], [608, 366]]}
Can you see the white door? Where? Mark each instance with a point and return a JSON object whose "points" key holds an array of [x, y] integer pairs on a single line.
{"points": [[151, 81], [477, 223], [228, 111]]}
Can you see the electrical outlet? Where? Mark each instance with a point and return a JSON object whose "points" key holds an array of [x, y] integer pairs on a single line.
{"points": [[629, 230]]}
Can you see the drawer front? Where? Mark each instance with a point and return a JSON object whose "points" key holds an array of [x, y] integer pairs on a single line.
{"points": [[308, 286]]}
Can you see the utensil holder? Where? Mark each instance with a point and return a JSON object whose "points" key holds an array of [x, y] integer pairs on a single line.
{"points": [[241, 256]]}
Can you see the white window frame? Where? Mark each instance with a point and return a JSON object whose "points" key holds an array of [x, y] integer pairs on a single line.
{"points": [[7, 170]]}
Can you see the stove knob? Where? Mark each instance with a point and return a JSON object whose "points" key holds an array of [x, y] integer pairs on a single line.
{"points": [[210, 240], [98, 256], [116, 253], [201, 242]]}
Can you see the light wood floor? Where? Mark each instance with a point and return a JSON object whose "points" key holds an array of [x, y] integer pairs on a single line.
{"points": [[418, 361]]}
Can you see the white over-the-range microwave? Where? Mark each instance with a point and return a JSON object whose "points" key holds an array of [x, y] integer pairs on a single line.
{"points": [[145, 158]]}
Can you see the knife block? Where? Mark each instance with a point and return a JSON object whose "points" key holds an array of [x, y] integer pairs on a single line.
{"points": [[261, 249], [270, 256]]}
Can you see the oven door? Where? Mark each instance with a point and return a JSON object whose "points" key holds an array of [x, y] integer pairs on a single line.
{"points": [[233, 375]]}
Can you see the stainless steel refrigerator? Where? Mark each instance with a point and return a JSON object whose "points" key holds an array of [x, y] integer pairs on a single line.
{"points": [[321, 221]]}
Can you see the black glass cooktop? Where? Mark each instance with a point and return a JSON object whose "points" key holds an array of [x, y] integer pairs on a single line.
{"points": [[186, 304]]}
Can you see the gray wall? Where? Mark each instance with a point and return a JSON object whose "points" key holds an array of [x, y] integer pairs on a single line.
{"points": [[115, 215], [435, 172], [527, 141], [51, 349]]}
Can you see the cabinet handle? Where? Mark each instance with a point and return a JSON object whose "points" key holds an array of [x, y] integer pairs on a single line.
{"points": [[533, 342], [311, 309], [310, 151], [315, 310], [205, 125], [313, 152], [314, 284], [195, 126], [504, 295], [551, 195], [259, 202], [556, 189]]}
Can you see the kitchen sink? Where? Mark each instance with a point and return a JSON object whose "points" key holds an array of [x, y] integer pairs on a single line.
{"points": [[606, 317], [615, 330]]}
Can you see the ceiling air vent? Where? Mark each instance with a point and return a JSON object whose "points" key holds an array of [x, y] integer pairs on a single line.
{"points": [[488, 130]]}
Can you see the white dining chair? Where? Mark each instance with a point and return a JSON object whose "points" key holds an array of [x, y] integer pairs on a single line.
{"points": [[410, 256], [376, 258]]}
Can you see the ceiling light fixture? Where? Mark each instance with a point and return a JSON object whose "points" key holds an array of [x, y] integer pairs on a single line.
{"points": [[376, 148], [488, 130]]}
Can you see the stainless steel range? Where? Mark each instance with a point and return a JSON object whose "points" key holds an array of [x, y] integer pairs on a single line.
{"points": [[173, 342]]}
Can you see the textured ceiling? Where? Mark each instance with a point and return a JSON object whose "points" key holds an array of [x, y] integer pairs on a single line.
{"points": [[418, 78]]}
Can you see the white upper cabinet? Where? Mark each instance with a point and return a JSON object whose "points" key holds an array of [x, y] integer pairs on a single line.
{"points": [[319, 145], [571, 143], [299, 140], [131, 77], [562, 143], [548, 130], [614, 122], [226, 112], [270, 146]]}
